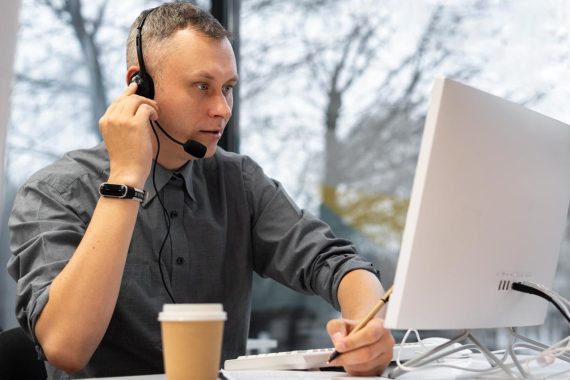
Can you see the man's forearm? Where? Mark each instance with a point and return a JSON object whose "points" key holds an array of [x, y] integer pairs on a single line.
{"points": [[83, 296], [358, 292], [368, 351]]}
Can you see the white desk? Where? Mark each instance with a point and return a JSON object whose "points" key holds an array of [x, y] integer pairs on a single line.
{"points": [[425, 374], [145, 377]]}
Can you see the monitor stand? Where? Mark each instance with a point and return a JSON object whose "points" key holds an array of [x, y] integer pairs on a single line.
{"points": [[497, 363]]}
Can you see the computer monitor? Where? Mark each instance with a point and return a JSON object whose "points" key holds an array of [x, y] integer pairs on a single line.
{"points": [[488, 207]]}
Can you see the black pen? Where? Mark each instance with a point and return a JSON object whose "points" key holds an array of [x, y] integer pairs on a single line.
{"points": [[371, 314]]}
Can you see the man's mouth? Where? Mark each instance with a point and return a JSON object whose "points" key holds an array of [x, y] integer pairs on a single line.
{"points": [[217, 132]]}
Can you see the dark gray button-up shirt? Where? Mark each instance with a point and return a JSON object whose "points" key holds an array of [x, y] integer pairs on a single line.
{"points": [[227, 220]]}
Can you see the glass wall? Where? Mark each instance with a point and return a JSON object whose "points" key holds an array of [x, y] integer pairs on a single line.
{"points": [[333, 100]]}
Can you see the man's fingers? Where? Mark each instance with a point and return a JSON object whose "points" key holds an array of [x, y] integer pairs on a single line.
{"points": [[364, 353], [363, 358], [128, 111], [368, 360], [372, 332], [145, 112], [337, 329], [128, 106], [337, 326], [130, 93], [131, 89]]}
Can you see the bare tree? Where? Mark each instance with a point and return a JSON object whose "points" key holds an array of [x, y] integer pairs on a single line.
{"points": [[358, 49], [337, 62], [86, 32]]}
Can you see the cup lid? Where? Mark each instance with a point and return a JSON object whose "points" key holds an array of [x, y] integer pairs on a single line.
{"points": [[192, 312]]}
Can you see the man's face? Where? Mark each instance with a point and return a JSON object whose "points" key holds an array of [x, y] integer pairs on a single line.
{"points": [[194, 90]]}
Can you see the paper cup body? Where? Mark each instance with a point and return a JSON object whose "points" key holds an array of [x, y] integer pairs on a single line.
{"points": [[192, 340]]}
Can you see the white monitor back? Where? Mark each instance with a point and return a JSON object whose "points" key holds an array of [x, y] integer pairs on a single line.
{"points": [[488, 207]]}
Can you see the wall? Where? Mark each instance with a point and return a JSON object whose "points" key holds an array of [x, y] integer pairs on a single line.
{"points": [[8, 34]]}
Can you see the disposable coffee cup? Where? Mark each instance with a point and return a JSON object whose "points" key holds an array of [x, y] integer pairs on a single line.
{"points": [[192, 340]]}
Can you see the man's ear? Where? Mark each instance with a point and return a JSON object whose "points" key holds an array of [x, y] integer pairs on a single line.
{"points": [[131, 71]]}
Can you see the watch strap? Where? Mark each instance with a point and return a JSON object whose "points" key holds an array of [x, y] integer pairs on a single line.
{"points": [[112, 190]]}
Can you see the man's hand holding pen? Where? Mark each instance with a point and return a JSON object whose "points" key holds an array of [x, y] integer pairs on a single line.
{"points": [[363, 348]]}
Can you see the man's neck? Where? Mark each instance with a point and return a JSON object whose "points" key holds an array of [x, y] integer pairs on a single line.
{"points": [[172, 164]]}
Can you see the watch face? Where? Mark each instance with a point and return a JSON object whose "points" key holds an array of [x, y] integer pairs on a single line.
{"points": [[112, 190]]}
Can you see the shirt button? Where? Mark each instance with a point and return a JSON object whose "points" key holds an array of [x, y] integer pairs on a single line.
{"points": [[174, 214], [180, 260]]}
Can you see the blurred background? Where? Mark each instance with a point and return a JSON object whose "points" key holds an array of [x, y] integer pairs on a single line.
{"points": [[332, 100]]}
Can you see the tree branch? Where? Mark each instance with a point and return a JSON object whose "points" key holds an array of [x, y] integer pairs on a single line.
{"points": [[53, 84], [96, 23]]}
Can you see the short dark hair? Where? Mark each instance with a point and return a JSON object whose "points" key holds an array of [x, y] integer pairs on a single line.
{"points": [[167, 19]]}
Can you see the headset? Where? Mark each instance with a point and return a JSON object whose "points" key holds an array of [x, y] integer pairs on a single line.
{"points": [[145, 84]]}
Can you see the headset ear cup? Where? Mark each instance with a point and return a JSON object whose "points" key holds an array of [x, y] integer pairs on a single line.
{"points": [[145, 85]]}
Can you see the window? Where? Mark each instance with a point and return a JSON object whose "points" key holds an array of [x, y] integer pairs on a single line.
{"points": [[334, 95]]}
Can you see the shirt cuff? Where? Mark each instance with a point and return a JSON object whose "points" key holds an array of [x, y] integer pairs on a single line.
{"points": [[38, 307]]}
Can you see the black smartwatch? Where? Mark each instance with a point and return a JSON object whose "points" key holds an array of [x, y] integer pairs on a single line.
{"points": [[112, 190]]}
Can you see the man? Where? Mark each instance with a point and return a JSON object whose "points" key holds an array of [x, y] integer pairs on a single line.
{"points": [[93, 271]]}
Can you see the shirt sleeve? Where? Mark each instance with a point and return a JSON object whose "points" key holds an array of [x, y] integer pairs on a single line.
{"points": [[294, 247], [45, 229]]}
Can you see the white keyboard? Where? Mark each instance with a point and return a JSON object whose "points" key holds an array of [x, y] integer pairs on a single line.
{"points": [[302, 359], [312, 359]]}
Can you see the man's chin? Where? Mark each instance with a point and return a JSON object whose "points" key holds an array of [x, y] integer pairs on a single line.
{"points": [[211, 151]]}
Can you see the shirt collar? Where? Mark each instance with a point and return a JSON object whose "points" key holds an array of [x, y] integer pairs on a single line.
{"points": [[163, 175]]}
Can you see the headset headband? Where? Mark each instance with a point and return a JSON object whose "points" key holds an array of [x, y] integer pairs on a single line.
{"points": [[139, 42]]}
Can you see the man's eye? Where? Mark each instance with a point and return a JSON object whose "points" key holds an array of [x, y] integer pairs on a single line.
{"points": [[228, 89], [202, 86]]}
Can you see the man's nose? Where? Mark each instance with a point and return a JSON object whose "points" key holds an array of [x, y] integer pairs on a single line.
{"points": [[222, 106]]}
